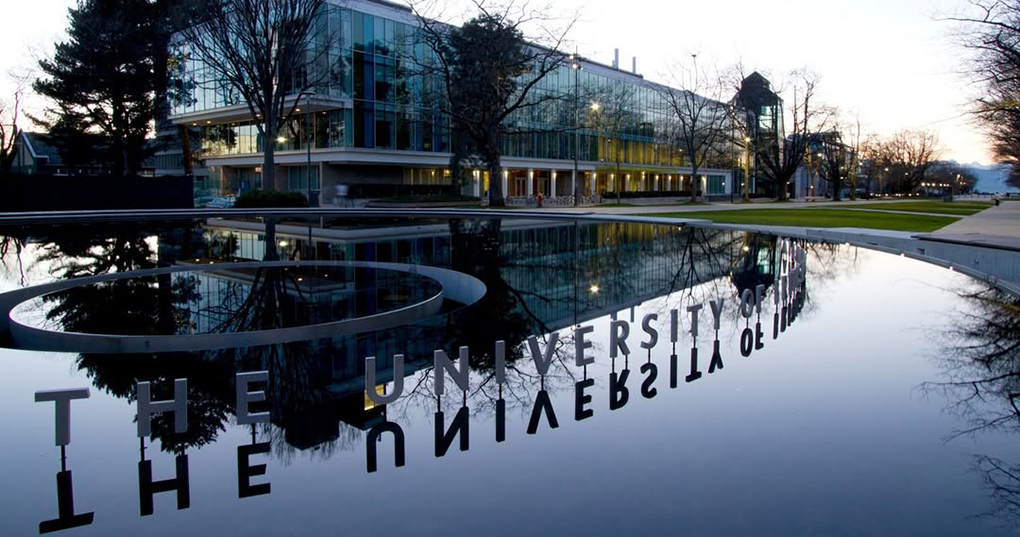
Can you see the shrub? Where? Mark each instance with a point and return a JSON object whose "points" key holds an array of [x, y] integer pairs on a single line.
{"points": [[256, 199], [437, 198], [651, 194]]}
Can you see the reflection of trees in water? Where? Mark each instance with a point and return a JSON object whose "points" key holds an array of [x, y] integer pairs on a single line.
{"points": [[299, 401], [831, 264], [531, 285], [138, 306], [627, 261], [505, 313], [981, 363], [11, 248]]}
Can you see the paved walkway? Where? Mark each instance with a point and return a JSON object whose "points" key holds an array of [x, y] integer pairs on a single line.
{"points": [[725, 206], [986, 245], [995, 227]]}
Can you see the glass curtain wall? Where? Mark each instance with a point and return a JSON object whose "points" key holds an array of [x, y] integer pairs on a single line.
{"points": [[383, 101]]}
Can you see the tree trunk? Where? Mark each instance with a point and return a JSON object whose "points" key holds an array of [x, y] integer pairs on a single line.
{"points": [[781, 189], [835, 191], [694, 180], [189, 168], [617, 185], [269, 179], [455, 179], [495, 192]]}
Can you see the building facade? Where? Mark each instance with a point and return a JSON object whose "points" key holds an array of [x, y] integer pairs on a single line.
{"points": [[36, 154], [761, 125], [369, 125]]}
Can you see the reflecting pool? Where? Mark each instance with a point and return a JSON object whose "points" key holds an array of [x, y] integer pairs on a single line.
{"points": [[608, 379]]}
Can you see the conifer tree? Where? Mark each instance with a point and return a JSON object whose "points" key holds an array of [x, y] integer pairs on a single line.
{"points": [[101, 81]]}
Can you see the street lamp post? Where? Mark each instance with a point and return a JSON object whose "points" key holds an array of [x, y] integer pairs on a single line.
{"points": [[308, 143], [576, 66], [747, 168]]}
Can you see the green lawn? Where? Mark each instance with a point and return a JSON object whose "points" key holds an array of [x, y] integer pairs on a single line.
{"points": [[821, 218], [959, 208]]}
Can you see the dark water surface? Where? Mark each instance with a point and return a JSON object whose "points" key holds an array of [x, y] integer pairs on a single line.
{"points": [[874, 396]]}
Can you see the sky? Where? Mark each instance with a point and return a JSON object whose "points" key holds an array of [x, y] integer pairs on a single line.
{"points": [[890, 62]]}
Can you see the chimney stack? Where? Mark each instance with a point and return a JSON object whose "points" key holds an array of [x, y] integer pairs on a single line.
{"points": [[616, 59], [634, 65]]}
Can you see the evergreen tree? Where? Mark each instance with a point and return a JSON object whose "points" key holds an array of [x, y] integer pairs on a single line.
{"points": [[101, 80]]}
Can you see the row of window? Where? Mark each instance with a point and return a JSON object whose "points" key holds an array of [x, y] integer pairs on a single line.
{"points": [[388, 127], [621, 119]]}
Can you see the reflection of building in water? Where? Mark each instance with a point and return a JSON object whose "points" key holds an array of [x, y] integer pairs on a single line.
{"points": [[245, 299], [540, 278]]}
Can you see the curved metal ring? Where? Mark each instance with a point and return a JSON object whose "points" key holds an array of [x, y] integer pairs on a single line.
{"points": [[454, 285]]}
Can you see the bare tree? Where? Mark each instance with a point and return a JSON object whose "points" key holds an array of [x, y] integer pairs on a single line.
{"points": [[490, 71], [873, 162], [263, 51], [9, 112], [914, 152], [840, 157], [781, 155], [990, 29], [701, 121], [612, 111], [835, 160]]}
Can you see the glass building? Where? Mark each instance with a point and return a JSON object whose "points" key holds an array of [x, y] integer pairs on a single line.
{"points": [[370, 123]]}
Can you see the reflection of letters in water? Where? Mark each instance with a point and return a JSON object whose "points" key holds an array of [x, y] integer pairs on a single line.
{"points": [[786, 290]]}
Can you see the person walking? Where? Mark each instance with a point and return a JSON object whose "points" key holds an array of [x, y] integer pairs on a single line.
{"points": [[340, 195]]}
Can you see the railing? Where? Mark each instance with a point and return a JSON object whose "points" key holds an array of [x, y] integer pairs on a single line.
{"points": [[555, 201]]}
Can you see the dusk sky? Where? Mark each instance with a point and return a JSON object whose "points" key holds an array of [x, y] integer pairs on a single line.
{"points": [[889, 61]]}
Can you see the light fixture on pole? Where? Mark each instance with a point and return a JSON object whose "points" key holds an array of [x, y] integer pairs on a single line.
{"points": [[308, 143], [575, 64], [747, 169]]}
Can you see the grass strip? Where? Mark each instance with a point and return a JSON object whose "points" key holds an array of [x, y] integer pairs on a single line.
{"points": [[820, 218], [955, 208]]}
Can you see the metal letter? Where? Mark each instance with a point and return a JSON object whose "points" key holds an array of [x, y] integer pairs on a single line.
{"points": [[62, 398], [581, 344], [178, 405], [543, 361], [747, 303], [245, 398], [653, 334], [694, 310], [398, 380], [500, 362], [441, 362], [618, 332], [716, 311]]}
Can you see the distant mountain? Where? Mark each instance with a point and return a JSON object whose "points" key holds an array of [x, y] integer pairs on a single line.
{"points": [[991, 178]]}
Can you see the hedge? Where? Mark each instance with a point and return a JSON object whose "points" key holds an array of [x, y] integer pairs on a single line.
{"points": [[255, 199]]}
